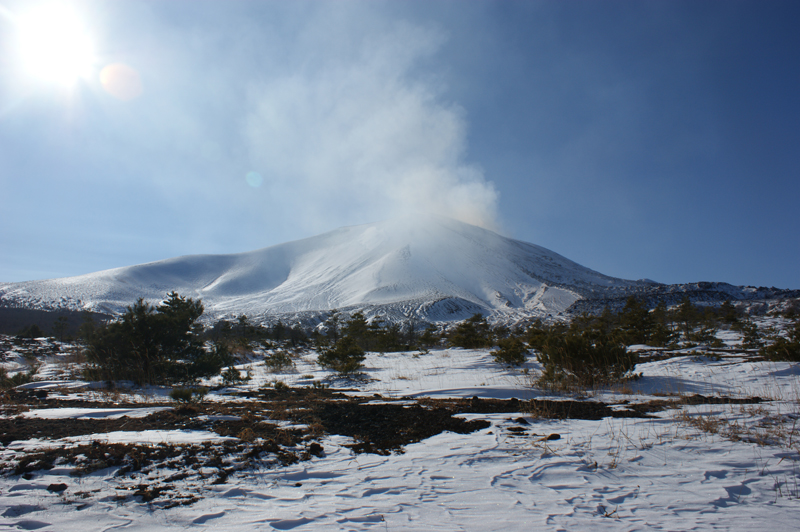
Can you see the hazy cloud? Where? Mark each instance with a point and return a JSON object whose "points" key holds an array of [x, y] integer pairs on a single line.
{"points": [[365, 131]]}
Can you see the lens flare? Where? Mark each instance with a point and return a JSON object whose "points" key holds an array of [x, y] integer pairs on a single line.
{"points": [[254, 179], [121, 81]]}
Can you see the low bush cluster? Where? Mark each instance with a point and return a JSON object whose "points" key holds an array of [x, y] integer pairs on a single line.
{"points": [[188, 395], [582, 358], [510, 352], [279, 361], [151, 345], [344, 357], [18, 379], [592, 350], [785, 348]]}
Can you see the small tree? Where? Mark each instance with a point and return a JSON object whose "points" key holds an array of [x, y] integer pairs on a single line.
{"points": [[578, 358], [430, 337], [30, 332], [87, 328], [188, 395], [345, 357], [154, 345], [537, 334], [662, 333], [332, 324], [60, 327], [279, 361], [728, 313], [785, 349], [232, 377], [510, 351], [635, 322], [687, 316], [472, 333], [751, 336]]}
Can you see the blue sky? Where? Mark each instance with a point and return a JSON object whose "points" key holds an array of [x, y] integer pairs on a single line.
{"points": [[648, 139]]}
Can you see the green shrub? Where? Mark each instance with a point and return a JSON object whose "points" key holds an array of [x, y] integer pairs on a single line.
{"points": [[782, 350], [510, 351], [636, 323], [181, 395], [318, 385], [702, 335], [232, 377], [17, 380], [30, 332], [345, 357], [430, 336], [751, 336], [151, 345], [785, 349], [579, 359], [200, 393], [661, 336], [188, 395], [473, 333], [279, 361], [537, 334]]}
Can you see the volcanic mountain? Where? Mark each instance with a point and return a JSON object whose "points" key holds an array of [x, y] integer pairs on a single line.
{"points": [[429, 267], [426, 267]]}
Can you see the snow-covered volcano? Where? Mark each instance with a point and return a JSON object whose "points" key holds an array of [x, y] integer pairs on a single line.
{"points": [[429, 267]]}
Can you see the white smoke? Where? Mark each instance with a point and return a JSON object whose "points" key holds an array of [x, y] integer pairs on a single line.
{"points": [[361, 132]]}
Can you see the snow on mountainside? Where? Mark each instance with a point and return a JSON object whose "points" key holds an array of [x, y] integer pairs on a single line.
{"points": [[429, 267]]}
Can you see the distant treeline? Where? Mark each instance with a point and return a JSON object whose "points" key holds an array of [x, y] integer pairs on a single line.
{"points": [[167, 344], [15, 320]]}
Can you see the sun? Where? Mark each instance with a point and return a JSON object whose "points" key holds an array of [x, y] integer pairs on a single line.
{"points": [[55, 45]]}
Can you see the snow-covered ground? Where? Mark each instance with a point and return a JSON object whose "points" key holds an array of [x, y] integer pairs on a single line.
{"points": [[688, 467]]}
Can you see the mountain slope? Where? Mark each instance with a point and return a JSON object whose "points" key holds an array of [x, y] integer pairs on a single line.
{"points": [[427, 267]]}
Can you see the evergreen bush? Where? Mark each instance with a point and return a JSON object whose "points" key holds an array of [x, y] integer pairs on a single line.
{"points": [[188, 395], [232, 377], [576, 358], [181, 395], [151, 345], [345, 357], [472, 333], [279, 361], [510, 351], [785, 349]]}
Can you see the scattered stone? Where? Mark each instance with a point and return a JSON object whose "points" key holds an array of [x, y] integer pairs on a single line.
{"points": [[316, 449]]}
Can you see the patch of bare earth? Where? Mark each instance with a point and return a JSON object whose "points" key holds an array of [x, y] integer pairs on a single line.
{"points": [[376, 424]]}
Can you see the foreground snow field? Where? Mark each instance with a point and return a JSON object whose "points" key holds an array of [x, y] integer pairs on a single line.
{"points": [[685, 467]]}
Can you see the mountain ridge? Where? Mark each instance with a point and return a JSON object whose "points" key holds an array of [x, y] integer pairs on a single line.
{"points": [[426, 268]]}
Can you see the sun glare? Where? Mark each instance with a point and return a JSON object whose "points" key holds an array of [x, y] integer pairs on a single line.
{"points": [[55, 45]]}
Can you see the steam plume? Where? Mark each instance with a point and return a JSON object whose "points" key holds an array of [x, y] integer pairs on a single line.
{"points": [[360, 130]]}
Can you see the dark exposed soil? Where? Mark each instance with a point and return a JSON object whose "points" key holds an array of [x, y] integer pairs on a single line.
{"points": [[27, 428], [381, 427], [384, 427], [378, 425]]}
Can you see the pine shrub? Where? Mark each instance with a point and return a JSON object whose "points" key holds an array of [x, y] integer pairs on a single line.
{"points": [[232, 377], [785, 349], [345, 357], [510, 351], [279, 361], [578, 359], [472, 333], [150, 345]]}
